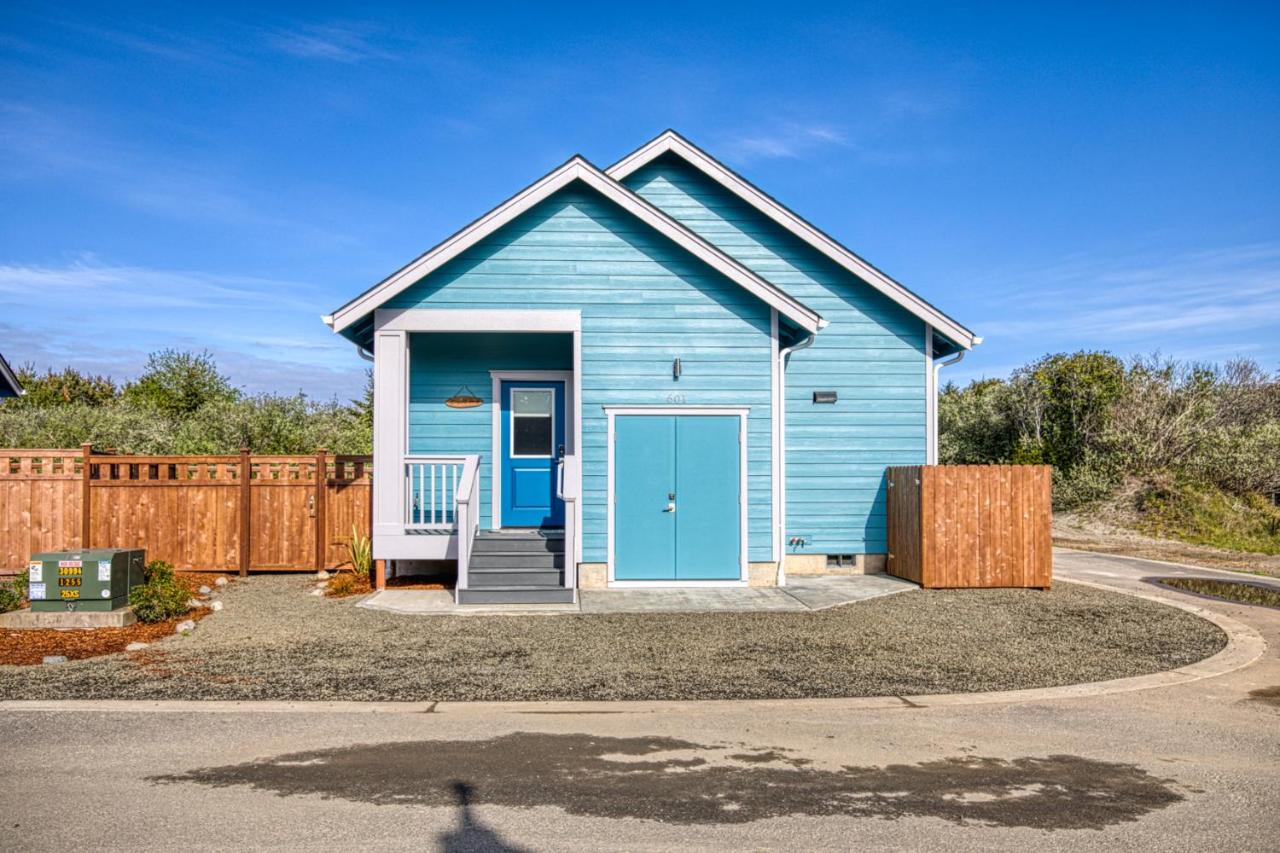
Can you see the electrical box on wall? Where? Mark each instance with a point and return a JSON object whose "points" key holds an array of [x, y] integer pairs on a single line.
{"points": [[824, 396]]}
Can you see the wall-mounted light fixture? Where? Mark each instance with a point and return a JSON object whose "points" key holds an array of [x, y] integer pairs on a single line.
{"points": [[824, 396], [675, 369]]}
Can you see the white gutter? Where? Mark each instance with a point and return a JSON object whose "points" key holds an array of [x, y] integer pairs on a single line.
{"points": [[932, 450], [782, 447]]}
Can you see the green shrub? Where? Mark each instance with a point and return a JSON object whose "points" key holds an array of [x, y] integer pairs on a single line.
{"points": [[11, 596], [156, 601], [158, 571]]}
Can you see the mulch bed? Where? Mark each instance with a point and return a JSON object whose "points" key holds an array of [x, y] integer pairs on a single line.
{"points": [[30, 646]]}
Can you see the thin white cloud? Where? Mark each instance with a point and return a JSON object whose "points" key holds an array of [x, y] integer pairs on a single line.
{"points": [[1217, 290], [789, 141], [345, 43], [67, 287]]}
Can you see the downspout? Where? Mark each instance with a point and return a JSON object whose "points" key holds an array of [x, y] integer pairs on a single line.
{"points": [[367, 355], [781, 532], [937, 369]]}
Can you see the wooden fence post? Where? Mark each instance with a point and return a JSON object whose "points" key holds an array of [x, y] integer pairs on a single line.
{"points": [[86, 499], [322, 485], [246, 471]]}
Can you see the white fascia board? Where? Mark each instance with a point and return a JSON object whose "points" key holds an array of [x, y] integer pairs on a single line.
{"points": [[577, 169], [670, 141]]}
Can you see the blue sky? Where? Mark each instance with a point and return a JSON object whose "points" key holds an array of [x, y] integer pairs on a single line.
{"points": [[1056, 178]]}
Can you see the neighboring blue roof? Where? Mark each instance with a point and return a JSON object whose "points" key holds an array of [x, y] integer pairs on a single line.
{"points": [[9, 385]]}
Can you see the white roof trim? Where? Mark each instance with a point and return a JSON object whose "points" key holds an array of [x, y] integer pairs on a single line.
{"points": [[670, 141], [576, 169], [10, 378]]}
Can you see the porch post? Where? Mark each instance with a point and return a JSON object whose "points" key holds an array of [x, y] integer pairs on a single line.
{"points": [[390, 405]]}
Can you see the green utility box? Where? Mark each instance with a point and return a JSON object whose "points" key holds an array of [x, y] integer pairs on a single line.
{"points": [[95, 580]]}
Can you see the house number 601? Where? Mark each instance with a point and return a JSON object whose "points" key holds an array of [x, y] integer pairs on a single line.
{"points": [[675, 399]]}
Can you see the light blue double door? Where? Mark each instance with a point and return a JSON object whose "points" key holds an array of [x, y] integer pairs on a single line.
{"points": [[677, 490]]}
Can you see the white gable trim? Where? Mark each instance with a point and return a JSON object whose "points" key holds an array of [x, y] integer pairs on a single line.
{"points": [[576, 169], [670, 141]]}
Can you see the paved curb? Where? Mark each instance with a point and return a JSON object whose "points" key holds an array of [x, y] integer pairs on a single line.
{"points": [[1244, 646]]}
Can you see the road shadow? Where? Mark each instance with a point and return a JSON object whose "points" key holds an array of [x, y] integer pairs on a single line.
{"points": [[681, 782], [471, 835]]}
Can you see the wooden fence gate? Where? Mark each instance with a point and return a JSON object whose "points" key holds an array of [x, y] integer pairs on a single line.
{"points": [[223, 513], [971, 525]]}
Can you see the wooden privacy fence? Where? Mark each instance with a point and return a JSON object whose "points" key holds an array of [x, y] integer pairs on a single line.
{"points": [[971, 525], [221, 513]]}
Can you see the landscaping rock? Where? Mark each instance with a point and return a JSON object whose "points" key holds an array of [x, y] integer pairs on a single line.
{"points": [[322, 584], [204, 590], [195, 602], [215, 606], [55, 658], [185, 627], [323, 575], [318, 591], [220, 582], [136, 647]]}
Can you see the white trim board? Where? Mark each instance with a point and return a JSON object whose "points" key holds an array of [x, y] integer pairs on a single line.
{"points": [[571, 421], [744, 493], [576, 169], [671, 142]]}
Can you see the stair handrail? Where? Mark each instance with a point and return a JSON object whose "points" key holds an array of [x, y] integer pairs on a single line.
{"points": [[467, 514]]}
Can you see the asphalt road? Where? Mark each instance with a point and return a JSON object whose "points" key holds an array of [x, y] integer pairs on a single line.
{"points": [[1194, 766]]}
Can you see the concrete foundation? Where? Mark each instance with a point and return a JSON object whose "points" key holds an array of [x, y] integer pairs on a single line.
{"points": [[818, 565], [19, 620], [762, 574], [593, 576]]}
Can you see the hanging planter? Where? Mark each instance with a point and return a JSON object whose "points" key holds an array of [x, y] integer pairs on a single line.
{"points": [[463, 399]]}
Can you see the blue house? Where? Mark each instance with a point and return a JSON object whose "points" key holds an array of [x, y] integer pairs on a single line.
{"points": [[652, 374]]}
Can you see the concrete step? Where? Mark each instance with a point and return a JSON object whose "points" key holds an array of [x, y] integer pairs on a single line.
{"points": [[516, 560], [515, 577], [515, 594], [508, 544]]}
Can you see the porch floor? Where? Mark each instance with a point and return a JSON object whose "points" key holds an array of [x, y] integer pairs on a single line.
{"points": [[800, 593]]}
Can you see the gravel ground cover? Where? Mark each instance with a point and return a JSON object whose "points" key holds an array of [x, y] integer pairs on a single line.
{"points": [[274, 641]]}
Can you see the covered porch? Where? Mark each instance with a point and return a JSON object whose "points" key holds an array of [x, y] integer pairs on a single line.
{"points": [[476, 451]]}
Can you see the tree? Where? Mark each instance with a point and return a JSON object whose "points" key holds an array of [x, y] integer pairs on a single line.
{"points": [[63, 388], [178, 383]]}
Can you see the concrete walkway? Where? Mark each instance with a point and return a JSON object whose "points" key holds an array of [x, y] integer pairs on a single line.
{"points": [[800, 593]]}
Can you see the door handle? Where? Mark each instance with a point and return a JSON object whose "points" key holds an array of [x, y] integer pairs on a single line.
{"points": [[671, 507]]}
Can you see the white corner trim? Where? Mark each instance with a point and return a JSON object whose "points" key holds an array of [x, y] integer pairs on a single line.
{"points": [[576, 169], [670, 141], [744, 492], [775, 441], [497, 377]]}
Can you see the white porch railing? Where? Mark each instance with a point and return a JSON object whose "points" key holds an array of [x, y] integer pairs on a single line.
{"points": [[468, 515], [442, 495], [431, 491]]}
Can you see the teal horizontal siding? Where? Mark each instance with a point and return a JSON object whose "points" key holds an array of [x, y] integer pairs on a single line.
{"points": [[440, 364], [644, 302], [871, 354]]}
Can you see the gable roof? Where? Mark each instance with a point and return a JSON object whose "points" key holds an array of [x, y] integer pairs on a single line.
{"points": [[575, 169], [671, 142], [9, 380]]}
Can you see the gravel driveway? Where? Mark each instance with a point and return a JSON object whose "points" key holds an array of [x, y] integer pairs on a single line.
{"points": [[274, 641]]}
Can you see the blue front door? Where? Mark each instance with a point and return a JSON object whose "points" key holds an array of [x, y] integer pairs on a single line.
{"points": [[532, 439], [676, 491]]}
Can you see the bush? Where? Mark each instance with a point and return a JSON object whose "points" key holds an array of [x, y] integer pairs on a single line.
{"points": [[158, 571], [344, 584], [162, 596], [11, 596]]}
